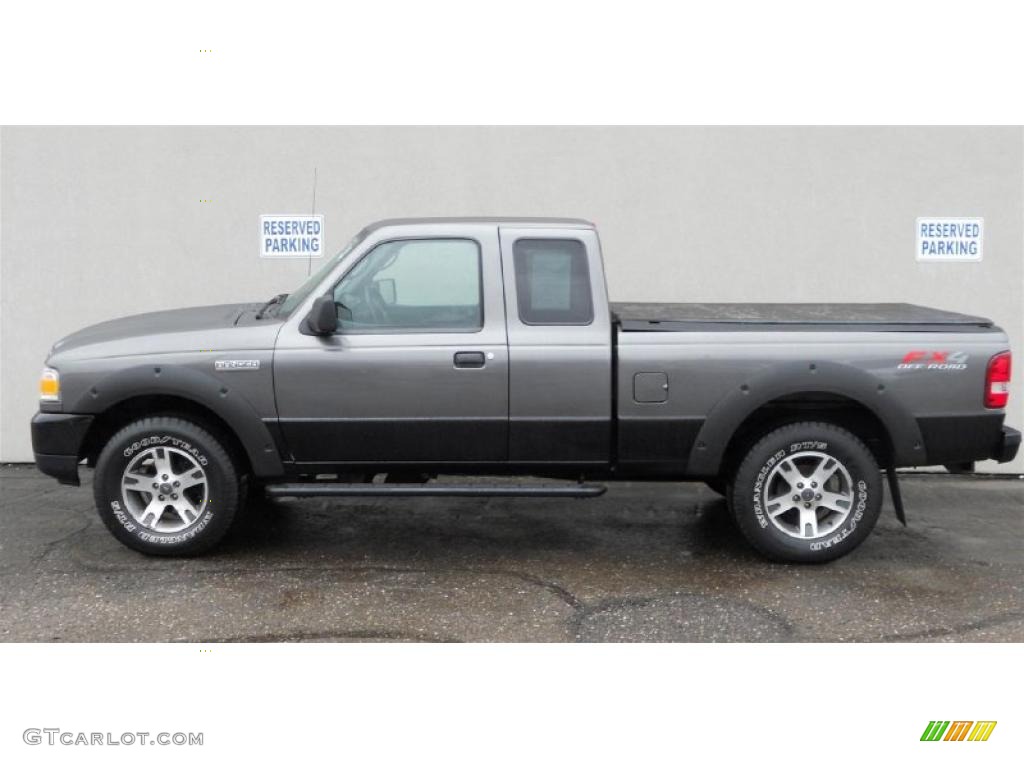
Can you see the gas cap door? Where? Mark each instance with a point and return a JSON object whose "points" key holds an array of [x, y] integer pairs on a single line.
{"points": [[650, 387]]}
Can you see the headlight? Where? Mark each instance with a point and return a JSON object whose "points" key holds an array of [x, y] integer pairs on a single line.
{"points": [[49, 386]]}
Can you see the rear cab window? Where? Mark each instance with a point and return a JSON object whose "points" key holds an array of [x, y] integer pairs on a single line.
{"points": [[552, 282]]}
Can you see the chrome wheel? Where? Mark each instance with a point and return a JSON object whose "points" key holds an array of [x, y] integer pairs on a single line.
{"points": [[164, 489], [808, 495]]}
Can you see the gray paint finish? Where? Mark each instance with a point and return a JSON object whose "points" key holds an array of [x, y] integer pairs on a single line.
{"points": [[535, 394], [376, 395], [188, 338], [705, 367], [102, 222], [560, 386]]}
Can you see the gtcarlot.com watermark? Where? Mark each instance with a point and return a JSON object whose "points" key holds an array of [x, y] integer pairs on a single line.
{"points": [[57, 736]]}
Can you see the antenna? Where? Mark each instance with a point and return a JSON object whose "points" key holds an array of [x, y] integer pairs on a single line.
{"points": [[309, 259]]}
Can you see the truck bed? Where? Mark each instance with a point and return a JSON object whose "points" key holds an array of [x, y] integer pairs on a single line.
{"points": [[633, 317]]}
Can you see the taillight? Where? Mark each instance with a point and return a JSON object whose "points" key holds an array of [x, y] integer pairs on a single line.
{"points": [[997, 381]]}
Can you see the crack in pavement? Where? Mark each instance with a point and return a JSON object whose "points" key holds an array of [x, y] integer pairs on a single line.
{"points": [[328, 635], [553, 587], [611, 574], [47, 548], [969, 626], [581, 610], [585, 613]]}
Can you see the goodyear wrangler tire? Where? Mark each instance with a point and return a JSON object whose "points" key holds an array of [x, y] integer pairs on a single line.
{"points": [[166, 486], [807, 493]]}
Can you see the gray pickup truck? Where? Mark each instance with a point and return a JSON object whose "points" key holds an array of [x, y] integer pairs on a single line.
{"points": [[481, 348]]}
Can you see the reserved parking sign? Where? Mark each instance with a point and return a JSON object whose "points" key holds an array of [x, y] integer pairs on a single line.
{"points": [[284, 236], [950, 239]]}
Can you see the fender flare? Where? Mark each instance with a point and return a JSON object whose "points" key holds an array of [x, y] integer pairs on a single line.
{"points": [[791, 378], [200, 388]]}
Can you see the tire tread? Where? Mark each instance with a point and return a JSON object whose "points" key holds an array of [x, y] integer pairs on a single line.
{"points": [[755, 455], [212, 445]]}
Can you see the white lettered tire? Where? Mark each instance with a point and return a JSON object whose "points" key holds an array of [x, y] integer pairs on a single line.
{"points": [[807, 493], [166, 486]]}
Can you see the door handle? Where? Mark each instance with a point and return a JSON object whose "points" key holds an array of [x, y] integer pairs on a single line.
{"points": [[469, 359]]}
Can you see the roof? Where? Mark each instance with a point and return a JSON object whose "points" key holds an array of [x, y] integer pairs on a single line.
{"points": [[519, 221]]}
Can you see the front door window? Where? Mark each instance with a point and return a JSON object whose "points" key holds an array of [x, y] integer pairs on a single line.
{"points": [[411, 286]]}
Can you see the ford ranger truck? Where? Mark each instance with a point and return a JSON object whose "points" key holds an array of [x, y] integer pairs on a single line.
{"points": [[487, 348]]}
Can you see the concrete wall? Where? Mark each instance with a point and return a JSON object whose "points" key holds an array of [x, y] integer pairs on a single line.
{"points": [[99, 222]]}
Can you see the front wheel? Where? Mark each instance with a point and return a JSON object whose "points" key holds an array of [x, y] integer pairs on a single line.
{"points": [[807, 493], [166, 486]]}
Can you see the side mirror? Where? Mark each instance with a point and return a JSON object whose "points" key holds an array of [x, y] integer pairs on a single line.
{"points": [[323, 317]]}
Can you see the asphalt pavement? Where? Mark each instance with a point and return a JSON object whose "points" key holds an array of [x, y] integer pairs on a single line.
{"points": [[645, 562]]}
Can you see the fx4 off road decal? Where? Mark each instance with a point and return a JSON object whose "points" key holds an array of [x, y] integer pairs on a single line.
{"points": [[933, 360]]}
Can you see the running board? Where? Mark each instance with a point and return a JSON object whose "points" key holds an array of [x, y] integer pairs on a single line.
{"points": [[427, 489]]}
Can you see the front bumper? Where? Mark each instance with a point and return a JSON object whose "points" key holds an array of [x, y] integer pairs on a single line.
{"points": [[57, 443], [1008, 446]]}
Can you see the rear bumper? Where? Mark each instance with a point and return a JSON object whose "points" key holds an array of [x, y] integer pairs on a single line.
{"points": [[965, 439], [1008, 445], [57, 442]]}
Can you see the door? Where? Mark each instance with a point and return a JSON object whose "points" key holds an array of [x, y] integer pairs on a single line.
{"points": [[418, 370], [560, 346]]}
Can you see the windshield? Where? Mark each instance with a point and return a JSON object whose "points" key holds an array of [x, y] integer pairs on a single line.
{"points": [[294, 299]]}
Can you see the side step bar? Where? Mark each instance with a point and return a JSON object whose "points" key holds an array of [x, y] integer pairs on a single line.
{"points": [[580, 490]]}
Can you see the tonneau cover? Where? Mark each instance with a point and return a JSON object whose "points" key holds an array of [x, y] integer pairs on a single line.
{"points": [[901, 317]]}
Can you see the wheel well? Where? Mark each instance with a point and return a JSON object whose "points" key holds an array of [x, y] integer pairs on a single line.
{"points": [[844, 412], [126, 411]]}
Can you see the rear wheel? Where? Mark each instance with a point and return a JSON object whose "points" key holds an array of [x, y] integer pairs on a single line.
{"points": [[808, 493], [166, 486]]}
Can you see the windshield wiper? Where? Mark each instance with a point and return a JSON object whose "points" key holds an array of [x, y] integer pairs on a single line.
{"points": [[276, 300]]}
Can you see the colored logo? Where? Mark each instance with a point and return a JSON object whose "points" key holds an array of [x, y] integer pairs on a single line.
{"points": [[958, 730], [927, 360]]}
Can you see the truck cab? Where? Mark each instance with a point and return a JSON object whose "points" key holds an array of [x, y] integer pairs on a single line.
{"points": [[476, 344]]}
